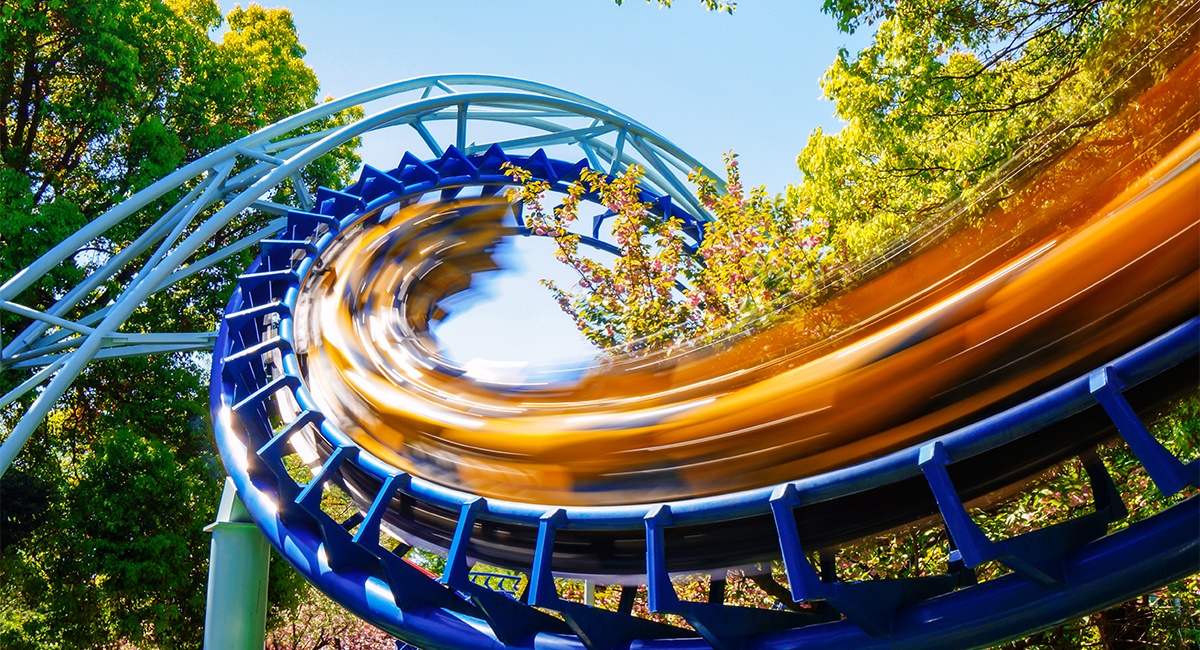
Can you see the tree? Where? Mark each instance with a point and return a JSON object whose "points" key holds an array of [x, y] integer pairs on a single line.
{"points": [[758, 251], [950, 91], [948, 114], [100, 100]]}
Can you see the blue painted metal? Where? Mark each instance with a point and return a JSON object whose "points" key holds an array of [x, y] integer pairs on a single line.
{"points": [[597, 629], [1072, 568], [1055, 560], [1167, 471], [1037, 555], [724, 627], [61, 348], [871, 605]]}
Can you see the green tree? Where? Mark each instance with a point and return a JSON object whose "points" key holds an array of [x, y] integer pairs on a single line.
{"points": [[103, 544], [953, 92], [758, 251]]}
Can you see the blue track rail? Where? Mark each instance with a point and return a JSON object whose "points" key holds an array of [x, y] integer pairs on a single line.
{"points": [[1059, 572]]}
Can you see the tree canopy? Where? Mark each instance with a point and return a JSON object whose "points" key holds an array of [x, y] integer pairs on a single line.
{"points": [[103, 511]]}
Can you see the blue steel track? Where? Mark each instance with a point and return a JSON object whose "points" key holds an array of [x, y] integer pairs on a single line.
{"points": [[1059, 572]]}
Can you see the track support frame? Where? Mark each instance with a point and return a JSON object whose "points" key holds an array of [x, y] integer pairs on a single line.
{"points": [[235, 616]]}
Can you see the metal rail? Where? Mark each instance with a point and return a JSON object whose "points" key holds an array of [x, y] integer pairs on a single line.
{"points": [[57, 344], [259, 403], [1057, 570]]}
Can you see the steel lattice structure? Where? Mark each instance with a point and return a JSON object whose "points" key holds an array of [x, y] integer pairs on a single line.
{"points": [[60, 348], [261, 406]]}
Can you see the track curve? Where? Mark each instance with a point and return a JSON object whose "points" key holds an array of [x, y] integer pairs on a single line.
{"points": [[1124, 227], [1136, 241]]}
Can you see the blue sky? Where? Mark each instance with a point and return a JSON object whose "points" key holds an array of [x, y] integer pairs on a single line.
{"points": [[710, 82]]}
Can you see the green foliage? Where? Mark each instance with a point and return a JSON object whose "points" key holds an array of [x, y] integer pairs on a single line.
{"points": [[29, 228], [105, 546], [632, 301], [950, 91], [757, 252], [1167, 618], [951, 109], [144, 572], [118, 553]]}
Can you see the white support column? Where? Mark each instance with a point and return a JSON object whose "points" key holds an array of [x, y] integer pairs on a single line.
{"points": [[236, 615]]}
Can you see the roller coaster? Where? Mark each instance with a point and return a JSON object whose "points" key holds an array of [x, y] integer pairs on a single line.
{"points": [[983, 352]]}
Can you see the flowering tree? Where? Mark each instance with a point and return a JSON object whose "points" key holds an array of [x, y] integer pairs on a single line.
{"points": [[635, 299], [757, 253], [319, 623]]}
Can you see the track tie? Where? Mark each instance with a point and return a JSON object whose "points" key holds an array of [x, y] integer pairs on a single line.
{"points": [[725, 627], [1037, 555], [257, 397], [493, 160], [597, 629], [1168, 472], [237, 318], [269, 246], [257, 350], [512, 621], [368, 532], [272, 450], [310, 497], [453, 164], [872, 604], [509, 619], [457, 571], [304, 225], [250, 281], [414, 170], [334, 203], [376, 183], [409, 586], [539, 164], [340, 550]]}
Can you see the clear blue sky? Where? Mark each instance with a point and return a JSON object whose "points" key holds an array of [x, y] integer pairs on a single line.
{"points": [[708, 81]]}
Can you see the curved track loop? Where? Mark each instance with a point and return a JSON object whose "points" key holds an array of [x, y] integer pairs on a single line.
{"points": [[1053, 568], [1077, 287], [1066, 401]]}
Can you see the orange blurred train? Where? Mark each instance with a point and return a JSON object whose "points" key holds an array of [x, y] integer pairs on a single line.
{"points": [[1099, 252]]}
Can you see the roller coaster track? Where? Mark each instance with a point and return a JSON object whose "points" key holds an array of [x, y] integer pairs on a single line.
{"points": [[1102, 298]]}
